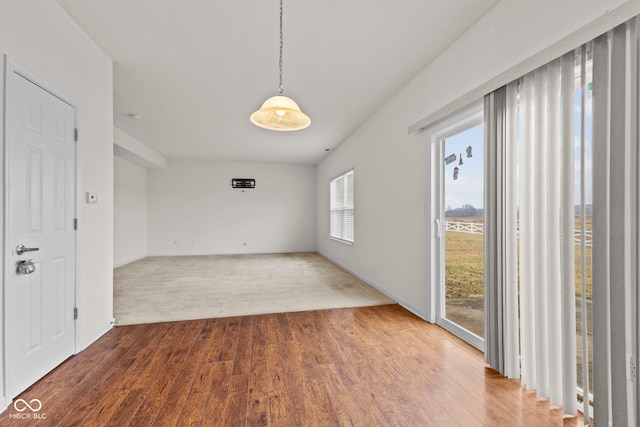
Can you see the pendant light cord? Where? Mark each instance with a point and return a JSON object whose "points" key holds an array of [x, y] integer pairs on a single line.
{"points": [[281, 44]]}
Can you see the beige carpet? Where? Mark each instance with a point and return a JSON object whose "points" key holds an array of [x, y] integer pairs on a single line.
{"points": [[159, 289]]}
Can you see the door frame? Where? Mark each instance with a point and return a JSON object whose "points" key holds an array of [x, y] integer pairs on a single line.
{"points": [[10, 67], [464, 119]]}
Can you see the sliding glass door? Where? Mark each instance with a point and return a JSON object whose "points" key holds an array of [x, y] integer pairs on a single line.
{"points": [[460, 223]]}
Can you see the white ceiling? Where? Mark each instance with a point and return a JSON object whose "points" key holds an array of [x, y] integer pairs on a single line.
{"points": [[195, 70]]}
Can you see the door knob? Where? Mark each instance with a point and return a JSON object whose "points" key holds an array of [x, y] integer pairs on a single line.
{"points": [[20, 249], [26, 267]]}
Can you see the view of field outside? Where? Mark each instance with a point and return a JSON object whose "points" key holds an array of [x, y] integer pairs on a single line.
{"points": [[465, 271], [464, 248], [465, 274]]}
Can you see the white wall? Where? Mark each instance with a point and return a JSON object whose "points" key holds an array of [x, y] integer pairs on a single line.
{"points": [[128, 148], [39, 36], [129, 212], [192, 203], [391, 171]]}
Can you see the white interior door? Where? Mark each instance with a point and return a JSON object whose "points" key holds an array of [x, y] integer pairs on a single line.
{"points": [[40, 210]]}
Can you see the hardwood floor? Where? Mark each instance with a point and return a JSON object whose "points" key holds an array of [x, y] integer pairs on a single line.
{"points": [[371, 366]]}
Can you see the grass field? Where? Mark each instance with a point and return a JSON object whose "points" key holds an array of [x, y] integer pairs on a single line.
{"points": [[465, 263]]}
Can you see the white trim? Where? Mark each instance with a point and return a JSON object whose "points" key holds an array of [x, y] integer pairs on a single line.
{"points": [[463, 119], [348, 176], [433, 242], [462, 333], [3, 404], [337, 239], [78, 216], [129, 261], [10, 68], [204, 253], [96, 335], [352, 169], [590, 31], [421, 314]]}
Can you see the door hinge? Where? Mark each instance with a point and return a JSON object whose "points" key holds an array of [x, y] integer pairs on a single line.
{"points": [[75, 313], [75, 134], [75, 223]]}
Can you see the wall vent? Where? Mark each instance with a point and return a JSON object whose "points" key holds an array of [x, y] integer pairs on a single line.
{"points": [[243, 183]]}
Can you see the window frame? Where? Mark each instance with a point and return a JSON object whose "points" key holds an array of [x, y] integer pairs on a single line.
{"points": [[345, 207]]}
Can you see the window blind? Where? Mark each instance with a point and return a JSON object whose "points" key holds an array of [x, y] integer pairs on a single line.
{"points": [[552, 101], [531, 144], [342, 207]]}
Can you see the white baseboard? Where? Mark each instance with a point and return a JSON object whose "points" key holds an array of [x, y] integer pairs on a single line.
{"points": [[421, 314], [129, 261], [202, 253], [3, 404], [95, 336]]}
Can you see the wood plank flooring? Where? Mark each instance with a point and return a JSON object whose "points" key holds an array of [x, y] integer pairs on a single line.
{"points": [[371, 366]]}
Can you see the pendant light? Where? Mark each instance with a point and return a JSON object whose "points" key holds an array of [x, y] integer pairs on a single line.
{"points": [[280, 112]]}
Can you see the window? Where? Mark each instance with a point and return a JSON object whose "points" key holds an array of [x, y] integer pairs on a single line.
{"points": [[341, 210]]}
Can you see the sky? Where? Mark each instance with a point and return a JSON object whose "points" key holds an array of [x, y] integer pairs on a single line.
{"points": [[468, 188], [588, 148]]}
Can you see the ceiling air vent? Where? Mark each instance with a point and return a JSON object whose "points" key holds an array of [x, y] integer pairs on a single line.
{"points": [[243, 183]]}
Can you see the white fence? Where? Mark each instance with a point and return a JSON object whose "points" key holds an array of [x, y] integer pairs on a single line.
{"points": [[587, 237], [465, 227], [478, 228]]}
